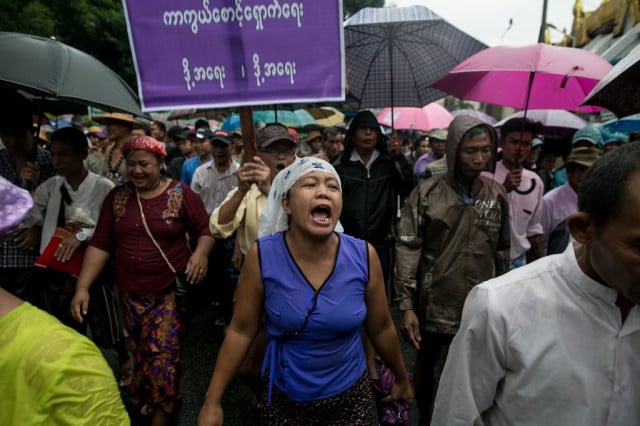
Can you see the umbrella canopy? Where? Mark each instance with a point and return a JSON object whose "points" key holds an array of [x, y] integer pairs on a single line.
{"points": [[297, 118], [624, 125], [394, 53], [51, 70], [432, 116], [619, 89], [558, 123], [482, 116], [326, 116], [535, 76]]}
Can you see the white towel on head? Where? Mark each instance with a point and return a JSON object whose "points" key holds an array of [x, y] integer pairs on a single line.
{"points": [[273, 218]]}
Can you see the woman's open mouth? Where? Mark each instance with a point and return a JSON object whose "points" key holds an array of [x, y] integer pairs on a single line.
{"points": [[321, 214]]}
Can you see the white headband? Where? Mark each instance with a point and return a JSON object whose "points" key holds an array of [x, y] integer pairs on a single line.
{"points": [[273, 218]]}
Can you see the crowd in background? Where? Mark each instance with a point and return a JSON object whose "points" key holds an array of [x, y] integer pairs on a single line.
{"points": [[153, 208]]}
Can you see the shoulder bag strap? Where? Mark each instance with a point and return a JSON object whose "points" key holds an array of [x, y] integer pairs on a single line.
{"points": [[146, 227]]}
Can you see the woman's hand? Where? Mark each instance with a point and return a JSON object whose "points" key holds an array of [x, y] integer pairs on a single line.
{"points": [[210, 415], [401, 391], [196, 267], [67, 247], [80, 304]]}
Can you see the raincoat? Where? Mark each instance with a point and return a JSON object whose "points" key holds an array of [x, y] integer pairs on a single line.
{"points": [[446, 243]]}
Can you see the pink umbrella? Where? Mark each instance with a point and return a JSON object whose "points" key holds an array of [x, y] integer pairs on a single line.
{"points": [[537, 76], [431, 116]]}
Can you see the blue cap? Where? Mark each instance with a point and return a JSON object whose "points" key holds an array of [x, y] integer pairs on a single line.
{"points": [[589, 133]]}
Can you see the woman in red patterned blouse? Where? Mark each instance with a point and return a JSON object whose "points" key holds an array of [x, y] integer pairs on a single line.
{"points": [[145, 282]]}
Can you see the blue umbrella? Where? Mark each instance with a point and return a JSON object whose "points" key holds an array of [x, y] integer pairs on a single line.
{"points": [[623, 125], [297, 118]]}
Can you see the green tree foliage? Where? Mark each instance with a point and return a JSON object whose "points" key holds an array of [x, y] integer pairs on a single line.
{"points": [[96, 27], [349, 7]]}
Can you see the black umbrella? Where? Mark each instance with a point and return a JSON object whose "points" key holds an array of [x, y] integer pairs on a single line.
{"points": [[393, 54], [52, 71], [619, 90]]}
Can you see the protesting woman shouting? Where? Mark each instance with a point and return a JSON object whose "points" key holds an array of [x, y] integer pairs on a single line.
{"points": [[316, 288]]}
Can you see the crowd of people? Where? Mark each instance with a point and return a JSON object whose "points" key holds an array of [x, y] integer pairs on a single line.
{"points": [[521, 276]]}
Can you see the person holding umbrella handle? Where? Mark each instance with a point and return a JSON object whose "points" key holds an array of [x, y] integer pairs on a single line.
{"points": [[524, 189]]}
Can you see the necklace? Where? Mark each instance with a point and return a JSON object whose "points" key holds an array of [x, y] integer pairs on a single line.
{"points": [[114, 170]]}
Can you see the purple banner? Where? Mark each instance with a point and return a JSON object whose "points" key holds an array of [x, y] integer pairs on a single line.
{"points": [[216, 54]]}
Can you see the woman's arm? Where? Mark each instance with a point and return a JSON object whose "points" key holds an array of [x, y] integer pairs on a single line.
{"points": [[381, 331], [94, 261], [197, 264], [244, 326]]}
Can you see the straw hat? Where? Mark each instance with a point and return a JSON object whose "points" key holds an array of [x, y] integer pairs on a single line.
{"points": [[118, 116]]}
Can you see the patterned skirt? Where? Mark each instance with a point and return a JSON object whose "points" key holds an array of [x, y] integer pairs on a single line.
{"points": [[155, 329], [355, 406]]}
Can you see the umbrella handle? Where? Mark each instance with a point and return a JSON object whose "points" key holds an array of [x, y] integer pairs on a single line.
{"points": [[527, 191]]}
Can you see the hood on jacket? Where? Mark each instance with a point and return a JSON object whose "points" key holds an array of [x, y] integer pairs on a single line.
{"points": [[364, 119], [457, 129]]}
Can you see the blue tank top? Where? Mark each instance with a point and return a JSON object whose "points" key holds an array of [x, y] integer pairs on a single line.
{"points": [[325, 356]]}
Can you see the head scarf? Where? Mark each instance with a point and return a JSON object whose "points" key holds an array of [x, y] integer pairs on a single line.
{"points": [[144, 143], [273, 218], [15, 205]]}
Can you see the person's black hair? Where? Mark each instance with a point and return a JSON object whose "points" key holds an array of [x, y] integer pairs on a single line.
{"points": [[16, 111], [160, 125], [634, 136], [604, 185], [201, 123], [419, 139], [483, 129], [329, 132], [145, 128], [75, 137], [520, 124]]}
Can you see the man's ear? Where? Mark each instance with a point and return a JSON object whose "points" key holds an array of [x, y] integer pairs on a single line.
{"points": [[581, 227]]}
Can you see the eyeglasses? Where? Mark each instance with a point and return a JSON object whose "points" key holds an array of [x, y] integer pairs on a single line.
{"points": [[275, 152]]}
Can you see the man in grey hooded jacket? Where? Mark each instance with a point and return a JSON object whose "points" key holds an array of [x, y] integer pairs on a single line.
{"points": [[453, 234]]}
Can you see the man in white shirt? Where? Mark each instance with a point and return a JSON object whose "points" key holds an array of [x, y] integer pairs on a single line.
{"points": [[556, 342], [524, 189], [560, 202]]}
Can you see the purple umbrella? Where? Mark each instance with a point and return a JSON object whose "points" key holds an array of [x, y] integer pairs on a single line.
{"points": [[475, 114]]}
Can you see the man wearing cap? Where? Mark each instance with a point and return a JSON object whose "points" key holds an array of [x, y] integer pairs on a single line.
{"points": [[202, 147], [531, 162], [184, 141], [562, 201], [437, 139], [26, 164], [242, 207], [524, 188], [213, 181], [314, 142], [588, 136], [119, 127]]}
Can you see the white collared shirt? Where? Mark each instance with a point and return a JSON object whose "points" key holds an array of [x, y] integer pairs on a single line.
{"points": [[542, 345], [213, 187]]}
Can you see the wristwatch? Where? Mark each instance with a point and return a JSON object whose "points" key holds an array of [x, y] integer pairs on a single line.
{"points": [[81, 236]]}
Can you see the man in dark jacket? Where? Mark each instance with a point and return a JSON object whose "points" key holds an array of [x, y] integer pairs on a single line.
{"points": [[372, 182]]}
